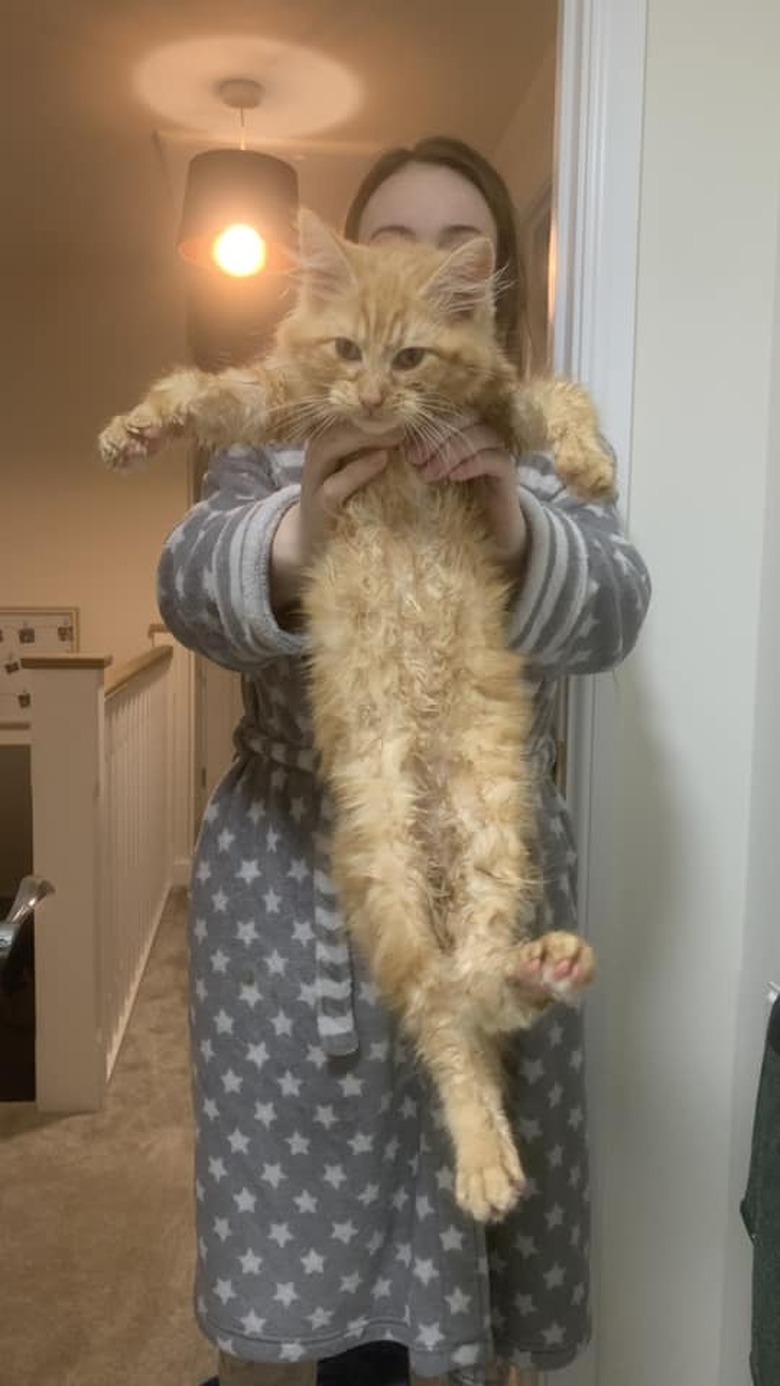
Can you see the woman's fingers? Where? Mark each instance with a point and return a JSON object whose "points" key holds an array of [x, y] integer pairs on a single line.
{"points": [[341, 484], [456, 449], [339, 444], [490, 462]]}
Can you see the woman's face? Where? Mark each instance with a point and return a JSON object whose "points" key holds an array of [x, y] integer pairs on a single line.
{"points": [[426, 202]]}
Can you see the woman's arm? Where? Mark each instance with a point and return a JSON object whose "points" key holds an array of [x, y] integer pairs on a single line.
{"points": [[585, 589], [214, 575]]}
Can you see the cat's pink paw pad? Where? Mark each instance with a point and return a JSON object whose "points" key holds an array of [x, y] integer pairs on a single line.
{"points": [[557, 966]]}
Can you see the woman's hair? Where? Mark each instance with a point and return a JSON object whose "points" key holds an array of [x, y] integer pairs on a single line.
{"points": [[444, 151]]}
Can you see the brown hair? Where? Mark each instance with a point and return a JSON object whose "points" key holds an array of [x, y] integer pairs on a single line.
{"points": [[447, 152]]}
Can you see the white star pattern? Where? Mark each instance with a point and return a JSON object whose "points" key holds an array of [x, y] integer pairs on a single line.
{"points": [[273, 1175], [286, 1293], [344, 1232], [425, 1271], [361, 1144], [280, 1233], [252, 1324], [257, 1054], [299, 1145], [458, 1302], [248, 871], [289, 1084], [247, 933]]}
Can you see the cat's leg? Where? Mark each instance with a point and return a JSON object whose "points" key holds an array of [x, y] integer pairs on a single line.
{"points": [[381, 875], [210, 409], [559, 416], [466, 1067], [506, 980]]}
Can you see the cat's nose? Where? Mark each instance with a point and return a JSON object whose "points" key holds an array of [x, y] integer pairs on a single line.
{"points": [[371, 395]]}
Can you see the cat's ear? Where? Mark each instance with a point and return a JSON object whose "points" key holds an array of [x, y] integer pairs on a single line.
{"points": [[322, 266], [464, 281]]}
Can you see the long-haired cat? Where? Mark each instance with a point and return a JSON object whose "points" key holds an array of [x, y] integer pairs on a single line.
{"points": [[420, 713]]}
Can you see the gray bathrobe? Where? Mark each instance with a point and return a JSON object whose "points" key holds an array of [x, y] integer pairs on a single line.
{"points": [[324, 1180]]}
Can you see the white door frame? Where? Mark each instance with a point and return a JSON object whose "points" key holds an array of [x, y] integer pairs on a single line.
{"points": [[601, 57]]}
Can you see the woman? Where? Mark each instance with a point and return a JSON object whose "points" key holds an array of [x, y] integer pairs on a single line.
{"points": [[328, 1231]]}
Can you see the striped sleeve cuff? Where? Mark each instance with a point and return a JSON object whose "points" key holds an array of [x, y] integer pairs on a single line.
{"points": [[245, 578], [555, 585]]}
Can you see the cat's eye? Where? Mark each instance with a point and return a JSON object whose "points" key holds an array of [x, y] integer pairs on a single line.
{"points": [[347, 350], [408, 357]]}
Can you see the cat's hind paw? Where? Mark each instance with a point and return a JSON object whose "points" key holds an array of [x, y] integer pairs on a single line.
{"points": [[556, 967], [489, 1178]]}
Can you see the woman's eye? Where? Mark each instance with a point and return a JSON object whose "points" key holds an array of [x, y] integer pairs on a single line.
{"points": [[347, 350], [408, 358]]}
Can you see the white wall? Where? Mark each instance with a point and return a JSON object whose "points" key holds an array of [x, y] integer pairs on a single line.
{"points": [[694, 936], [761, 958]]}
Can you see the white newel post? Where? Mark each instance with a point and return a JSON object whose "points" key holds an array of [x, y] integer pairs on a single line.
{"points": [[67, 784]]}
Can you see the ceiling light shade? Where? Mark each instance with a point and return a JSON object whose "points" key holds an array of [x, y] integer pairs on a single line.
{"points": [[254, 196]]}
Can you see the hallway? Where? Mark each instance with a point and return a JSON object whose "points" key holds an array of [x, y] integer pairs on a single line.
{"points": [[95, 1279]]}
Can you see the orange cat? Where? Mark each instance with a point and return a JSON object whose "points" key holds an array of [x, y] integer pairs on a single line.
{"points": [[420, 712]]}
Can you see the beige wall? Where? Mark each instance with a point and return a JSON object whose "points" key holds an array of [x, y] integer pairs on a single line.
{"points": [[86, 341], [525, 153]]}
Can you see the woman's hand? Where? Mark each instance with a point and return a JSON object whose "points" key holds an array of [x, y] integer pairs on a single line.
{"points": [[339, 461], [472, 451]]}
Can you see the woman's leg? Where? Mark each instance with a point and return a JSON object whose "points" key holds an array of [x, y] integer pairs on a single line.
{"points": [[374, 1364]]}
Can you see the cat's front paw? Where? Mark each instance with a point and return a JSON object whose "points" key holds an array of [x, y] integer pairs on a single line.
{"points": [[489, 1178], [556, 967], [130, 439], [586, 468]]}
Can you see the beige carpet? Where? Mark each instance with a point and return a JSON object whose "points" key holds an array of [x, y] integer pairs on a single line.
{"points": [[96, 1213]]}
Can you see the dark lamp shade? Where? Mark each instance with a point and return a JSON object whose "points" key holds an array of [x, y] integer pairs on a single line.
{"points": [[226, 187]]}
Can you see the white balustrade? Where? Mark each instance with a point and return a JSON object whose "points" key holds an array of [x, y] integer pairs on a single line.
{"points": [[100, 769]]}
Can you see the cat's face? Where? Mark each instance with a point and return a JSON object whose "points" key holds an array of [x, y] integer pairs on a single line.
{"points": [[396, 334]]}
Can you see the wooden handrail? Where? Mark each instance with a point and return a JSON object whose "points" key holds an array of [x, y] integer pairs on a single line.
{"points": [[162, 654], [66, 661], [131, 670]]}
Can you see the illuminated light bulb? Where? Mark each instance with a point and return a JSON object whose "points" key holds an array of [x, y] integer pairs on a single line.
{"points": [[240, 251]]}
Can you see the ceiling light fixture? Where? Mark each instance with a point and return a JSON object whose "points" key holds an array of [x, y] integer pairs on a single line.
{"points": [[239, 208]]}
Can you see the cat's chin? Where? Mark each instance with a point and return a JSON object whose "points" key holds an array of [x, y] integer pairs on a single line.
{"points": [[374, 427]]}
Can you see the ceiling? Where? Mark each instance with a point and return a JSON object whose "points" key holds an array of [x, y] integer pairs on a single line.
{"points": [[105, 101]]}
